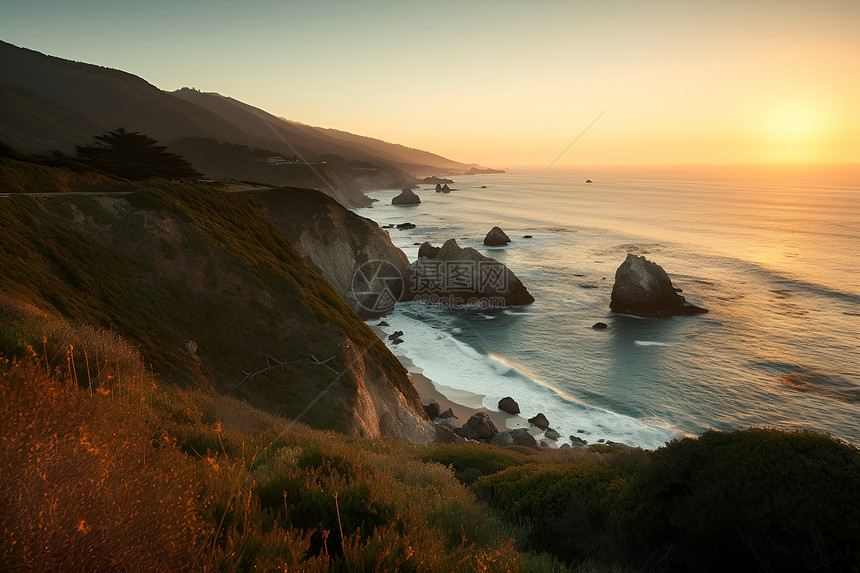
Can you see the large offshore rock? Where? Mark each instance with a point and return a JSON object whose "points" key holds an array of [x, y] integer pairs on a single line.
{"points": [[643, 288]]}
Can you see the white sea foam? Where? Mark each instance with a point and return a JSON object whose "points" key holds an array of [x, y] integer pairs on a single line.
{"points": [[453, 364], [650, 343]]}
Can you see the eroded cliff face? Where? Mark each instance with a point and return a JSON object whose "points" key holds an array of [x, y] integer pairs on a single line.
{"points": [[333, 240], [189, 264]]}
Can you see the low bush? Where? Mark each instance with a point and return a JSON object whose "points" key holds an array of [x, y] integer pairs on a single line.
{"points": [[471, 461]]}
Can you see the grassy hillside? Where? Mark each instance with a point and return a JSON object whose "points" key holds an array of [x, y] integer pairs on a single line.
{"points": [[208, 288], [133, 474]]}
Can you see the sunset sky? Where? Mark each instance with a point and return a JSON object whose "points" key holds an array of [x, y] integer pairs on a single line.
{"points": [[504, 84]]}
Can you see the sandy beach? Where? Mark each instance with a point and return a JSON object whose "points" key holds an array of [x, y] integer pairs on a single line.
{"points": [[464, 404]]}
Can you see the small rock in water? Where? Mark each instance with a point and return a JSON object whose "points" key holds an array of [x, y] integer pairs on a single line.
{"points": [[397, 334], [509, 405], [600, 325], [527, 236], [406, 197], [552, 434], [540, 421], [496, 238], [383, 323]]}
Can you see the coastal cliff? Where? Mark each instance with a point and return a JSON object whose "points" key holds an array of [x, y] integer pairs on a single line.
{"points": [[333, 240], [215, 296]]}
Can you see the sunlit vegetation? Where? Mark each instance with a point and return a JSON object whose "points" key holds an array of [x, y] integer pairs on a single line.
{"points": [[105, 467]]}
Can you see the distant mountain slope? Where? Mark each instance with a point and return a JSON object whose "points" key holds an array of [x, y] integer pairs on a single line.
{"points": [[74, 97], [319, 141], [32, 122]]}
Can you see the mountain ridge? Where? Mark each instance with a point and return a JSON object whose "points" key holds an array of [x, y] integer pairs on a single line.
{"points": [[52, 103]]}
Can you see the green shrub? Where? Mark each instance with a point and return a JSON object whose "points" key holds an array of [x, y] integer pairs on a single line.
{"points": [[740, 500], [471, 461]]}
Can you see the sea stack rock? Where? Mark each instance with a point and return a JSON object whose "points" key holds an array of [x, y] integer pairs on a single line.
{"points": [[460, 277], [438, 188], [406, 197], [445, 188], [496, 238], [643, 288]]}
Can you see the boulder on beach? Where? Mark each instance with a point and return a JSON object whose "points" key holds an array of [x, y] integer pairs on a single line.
{"points": [[433, 409], [642, 288], [578, 442], [522, 437], [462, 277], [406, 197], [445, 435], [496, 238], [447, 414], [479, 427], [502, 439], [540, 421], [427, 250], [509, 405]]}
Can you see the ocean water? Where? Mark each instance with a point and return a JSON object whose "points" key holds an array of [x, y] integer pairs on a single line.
{"points": [[771, 254]]}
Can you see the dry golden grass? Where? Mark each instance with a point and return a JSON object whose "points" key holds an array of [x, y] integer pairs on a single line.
{"points": [[121, 472]]}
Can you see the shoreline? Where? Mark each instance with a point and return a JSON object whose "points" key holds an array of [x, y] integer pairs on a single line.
{"points": [[463, 403]]}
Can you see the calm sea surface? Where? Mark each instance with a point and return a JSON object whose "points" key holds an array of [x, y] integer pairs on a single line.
{"points": [[772, 254]]}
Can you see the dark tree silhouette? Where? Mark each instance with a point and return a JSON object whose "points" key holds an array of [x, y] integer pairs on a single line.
{"points": [[134, 155]]}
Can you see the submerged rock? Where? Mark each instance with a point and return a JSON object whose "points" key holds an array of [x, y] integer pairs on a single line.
{"points": [[643, 288], [496, 238], [509, 405], [406, 197]]}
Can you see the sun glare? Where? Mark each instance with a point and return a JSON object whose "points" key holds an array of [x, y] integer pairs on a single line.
{"points": [[793, 132]]}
